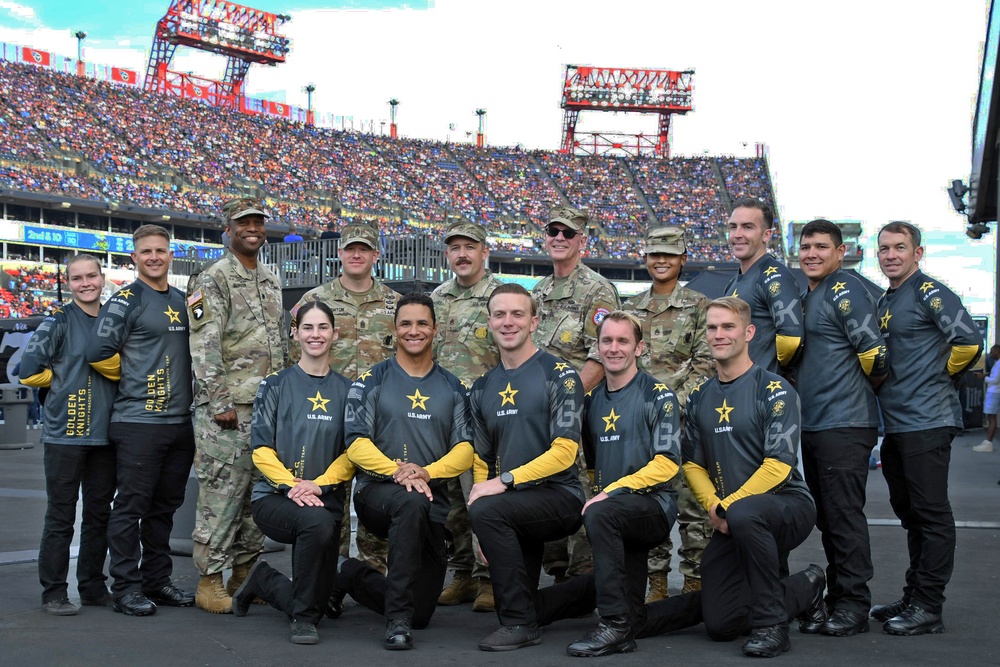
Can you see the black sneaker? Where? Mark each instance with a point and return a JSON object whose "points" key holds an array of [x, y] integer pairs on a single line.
{"points": [[610, 636], [171, 596], [510, 637], [303, 633], [397, 634], [767, 642], [60, 607], [883, 612], [913, 621], [134, 604]]}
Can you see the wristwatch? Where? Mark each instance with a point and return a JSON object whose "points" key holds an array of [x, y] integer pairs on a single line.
{"points": [[507, 479]]}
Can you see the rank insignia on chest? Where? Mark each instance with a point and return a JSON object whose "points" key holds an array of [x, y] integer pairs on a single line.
{"points": [[566, 336], [481, 333]]}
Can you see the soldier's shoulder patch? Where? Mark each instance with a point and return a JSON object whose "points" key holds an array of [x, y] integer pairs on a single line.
{"points": [[936, 304], [481, 333], [195, 298], [778, 408], [196, 304], [599, 314], [844, 305], [668, 408], [774, 288], [570, 384]]}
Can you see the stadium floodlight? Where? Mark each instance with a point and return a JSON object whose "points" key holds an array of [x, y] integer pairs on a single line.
{"points": [[80, 36], [976, 231], [956, 192]]}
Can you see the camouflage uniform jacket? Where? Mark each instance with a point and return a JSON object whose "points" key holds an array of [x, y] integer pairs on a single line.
{"points": [[367, 331], [570, 312], [464, 344], [676, 351], [237, 332]]}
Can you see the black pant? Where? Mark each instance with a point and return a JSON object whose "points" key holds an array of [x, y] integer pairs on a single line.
{"points": [[417, 560], [154, 462], [67, 469], [836, 468], [915, 466], [622, 529], [314, 533], [512, 528]]}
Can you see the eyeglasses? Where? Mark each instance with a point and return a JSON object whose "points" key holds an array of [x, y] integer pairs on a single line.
{"points": [[568, 234]]}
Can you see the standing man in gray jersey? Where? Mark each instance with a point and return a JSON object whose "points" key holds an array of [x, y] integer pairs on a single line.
{"points": [[237, 339], [843, 362], [75, 437], [464, 346], [142, 335], [933, 341]]}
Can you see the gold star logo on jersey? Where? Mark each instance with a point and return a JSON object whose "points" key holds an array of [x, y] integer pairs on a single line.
{"points": [[419, 400], [838, 286], [319, 403], [561, 366], [724, 412], [883, 323], [125, 293], [774, 385], [367, 374], [609, 421], [735, 293], [926, 286], [770, 271], [659, 386], [174, 315], [508, 395], [697, 387]]}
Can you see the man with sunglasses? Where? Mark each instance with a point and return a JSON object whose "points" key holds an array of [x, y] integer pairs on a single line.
{"points": [[572, 302]]}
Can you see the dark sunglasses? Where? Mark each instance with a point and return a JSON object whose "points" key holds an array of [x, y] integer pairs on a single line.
{"points": [[568, 234]]}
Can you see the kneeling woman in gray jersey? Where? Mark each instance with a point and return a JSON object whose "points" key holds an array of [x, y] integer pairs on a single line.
{"points": [[298, 441]]}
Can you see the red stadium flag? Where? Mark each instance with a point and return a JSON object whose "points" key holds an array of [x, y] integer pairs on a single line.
{"points": [[196, 91], [123, 75], [35, 56], [277, 109]]}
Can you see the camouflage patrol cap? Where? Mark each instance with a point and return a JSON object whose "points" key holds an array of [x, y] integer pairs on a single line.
{"points": [[573, 218], [667, 240], [234, 209], [359, 233], [469, 230]]}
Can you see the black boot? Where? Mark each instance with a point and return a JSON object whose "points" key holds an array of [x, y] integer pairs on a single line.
{"points": [[612, 635]]}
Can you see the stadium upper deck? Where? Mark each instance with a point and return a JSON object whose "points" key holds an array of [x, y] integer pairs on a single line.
{"points": [[129, 146]]}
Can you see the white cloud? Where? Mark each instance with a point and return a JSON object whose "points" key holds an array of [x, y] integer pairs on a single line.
{"points": [[19, 12]]}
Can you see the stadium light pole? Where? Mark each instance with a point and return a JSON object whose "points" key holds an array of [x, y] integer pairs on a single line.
{"points": [[80, 36], [310, 89], [481, 134], [393, 103]]}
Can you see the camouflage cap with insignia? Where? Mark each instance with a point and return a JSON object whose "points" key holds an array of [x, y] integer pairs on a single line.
{"points": [[572, 217], [667, 240], [359, 233], [234, 209], [467, 229]]}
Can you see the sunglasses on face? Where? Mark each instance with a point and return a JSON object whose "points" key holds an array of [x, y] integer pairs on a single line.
{"points": [[568, 234]]}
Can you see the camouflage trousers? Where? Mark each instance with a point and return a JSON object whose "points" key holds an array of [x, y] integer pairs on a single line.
{"points": [[224, 531], [572, 555], [371, 549], [696, 530], [466, 556]]}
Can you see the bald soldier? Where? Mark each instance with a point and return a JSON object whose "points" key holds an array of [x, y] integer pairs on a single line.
{"points": [[236, 322], [464, 346], [364, 309], [571, 303], [676, 354]]}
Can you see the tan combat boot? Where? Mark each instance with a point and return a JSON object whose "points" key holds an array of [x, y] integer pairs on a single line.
{"points": [[211, 595], [238, 576], [691, 585], [657, 587], [461, 589], [484, 599]]}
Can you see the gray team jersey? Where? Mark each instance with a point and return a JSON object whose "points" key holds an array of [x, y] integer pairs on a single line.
{"points": [[518, 413], [841, 323], [732, 427], [149, 329], [301, 417], [770, 289], [624, 430], [410, 419], [921, 321], [78, 406]]}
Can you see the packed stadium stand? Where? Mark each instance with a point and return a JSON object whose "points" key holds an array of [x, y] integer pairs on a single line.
{"points": [[75, 136]]}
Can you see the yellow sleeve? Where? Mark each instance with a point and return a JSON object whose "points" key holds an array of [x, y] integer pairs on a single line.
{"points": [[658, 471], [365, 455], [266, 460], [110, 368], [961, 356], [701, 485], [339, 471], [787, 347], [480, 471], [452, 464], [38, 380], [560, 456], [769, 475]]}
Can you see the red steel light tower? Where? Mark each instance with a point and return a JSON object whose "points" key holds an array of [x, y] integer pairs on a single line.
{"points": [[481, 134], [637, 90], [242, 34]]}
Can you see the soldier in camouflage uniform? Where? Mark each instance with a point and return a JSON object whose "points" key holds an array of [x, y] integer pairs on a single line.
{"points": [[237, 338], [364, 309], [464, 345], [571, 303], [676, 354]]}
